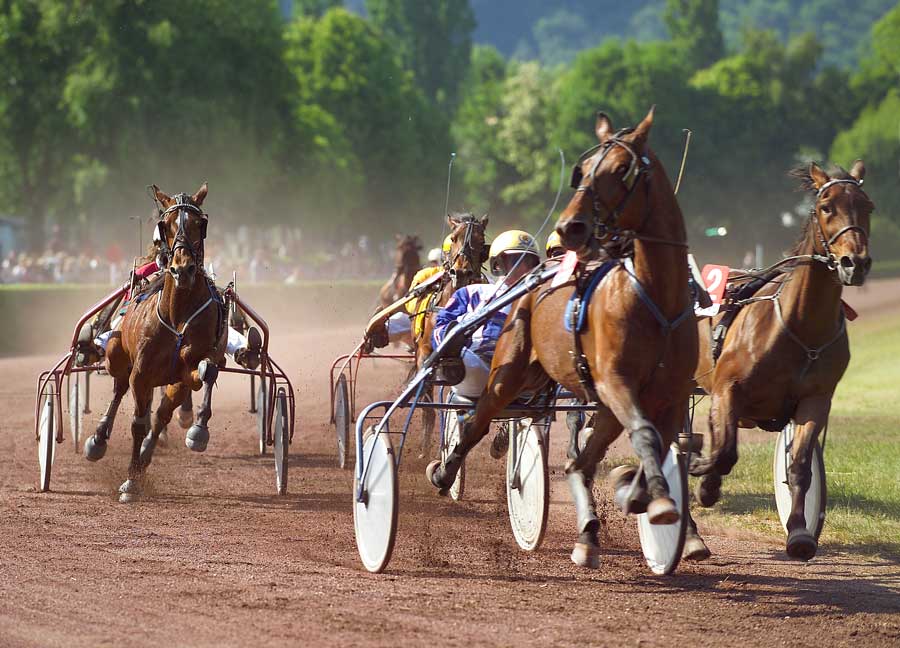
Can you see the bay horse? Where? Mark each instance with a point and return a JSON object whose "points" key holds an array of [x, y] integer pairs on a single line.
{"points": [[636, 358], [406, 265], [787, 348], [174, 338], [463, 266]]}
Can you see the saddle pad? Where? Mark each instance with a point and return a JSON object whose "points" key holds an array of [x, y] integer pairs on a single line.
{"points": [[596, 277]]}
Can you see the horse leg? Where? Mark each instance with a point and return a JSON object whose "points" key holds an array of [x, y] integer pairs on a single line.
{"points": [[95, 445], [131, 489], [722, 454], [174, 395], [198, 436], [811, 416], [428, 423], [648, 445], [580, 473], [186, 411]]}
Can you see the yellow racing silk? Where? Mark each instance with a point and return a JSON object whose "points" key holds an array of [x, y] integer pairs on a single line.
{"points": [[418, 308]]}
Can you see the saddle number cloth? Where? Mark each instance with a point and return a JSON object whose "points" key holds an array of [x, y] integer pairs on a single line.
{"points": [[715, 278]]}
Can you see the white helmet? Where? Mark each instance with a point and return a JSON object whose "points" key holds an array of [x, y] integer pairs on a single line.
{"points": [[435, 255]]}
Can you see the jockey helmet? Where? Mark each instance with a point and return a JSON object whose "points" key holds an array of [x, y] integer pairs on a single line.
{"points": [[435, 255], [555, 245], [511, 242]]}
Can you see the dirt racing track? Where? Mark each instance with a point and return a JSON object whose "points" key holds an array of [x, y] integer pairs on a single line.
{"points": [[212, 556]]}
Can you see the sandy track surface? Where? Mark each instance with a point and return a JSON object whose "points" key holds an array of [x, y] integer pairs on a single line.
{"points": [[212, 557]]}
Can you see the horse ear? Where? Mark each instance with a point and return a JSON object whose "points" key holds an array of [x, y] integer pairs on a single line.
{"points": [[642, 132], [164, 199], [603, 127], [200, 196], [452, 222], [817, 175], [858, 171], [484, 221]]}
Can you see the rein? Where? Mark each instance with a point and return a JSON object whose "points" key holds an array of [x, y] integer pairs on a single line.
{"points": [[179, 336]]}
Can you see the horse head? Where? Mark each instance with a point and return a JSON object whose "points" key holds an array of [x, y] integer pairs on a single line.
{"points": [[840, 220], [468, 248], [606, 178], [182, 230], [406, 254]]}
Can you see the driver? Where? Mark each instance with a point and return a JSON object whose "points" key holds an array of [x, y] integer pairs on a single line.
{"points": [[513, 254], [94, 336]]}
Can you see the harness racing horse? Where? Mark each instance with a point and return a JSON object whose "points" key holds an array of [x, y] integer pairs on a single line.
{"points": [[468, 253], [635, 358], [787, 348], [175, 337], [406, 264]]}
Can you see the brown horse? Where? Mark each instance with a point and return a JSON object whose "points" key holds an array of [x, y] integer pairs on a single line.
{"points": [[406, 264], [639, 348], [463, 266], [175, 337], [787, 348]]}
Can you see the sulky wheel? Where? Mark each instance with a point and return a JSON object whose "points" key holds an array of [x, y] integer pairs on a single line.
{"points": [[281, 432], [816, 496], [77, 392], [451, 440], [262, 411], [662, 544], [375, 516], [527, 484], [47, 439], [342, 418]]}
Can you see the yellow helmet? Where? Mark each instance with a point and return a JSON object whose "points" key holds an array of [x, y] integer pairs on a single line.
{"points": [[448, 243], [554, 244], [510, 241]]}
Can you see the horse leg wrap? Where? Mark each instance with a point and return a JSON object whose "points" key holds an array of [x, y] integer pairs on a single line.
{"points": [[208, 372], [583, 497], [648, 447]]}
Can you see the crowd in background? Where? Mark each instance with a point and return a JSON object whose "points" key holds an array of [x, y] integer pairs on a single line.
{"points": [[271, 255]]}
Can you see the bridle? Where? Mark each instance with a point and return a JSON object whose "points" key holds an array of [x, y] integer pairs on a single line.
{"points": [[829, 258], [466, 250], [607, 230], [183, 205]]}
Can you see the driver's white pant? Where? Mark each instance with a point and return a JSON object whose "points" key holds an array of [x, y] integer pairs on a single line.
{"points": [[399, 328], [477, 372]]}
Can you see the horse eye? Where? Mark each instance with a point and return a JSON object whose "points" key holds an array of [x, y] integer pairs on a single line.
{"points": [[826, 210]]}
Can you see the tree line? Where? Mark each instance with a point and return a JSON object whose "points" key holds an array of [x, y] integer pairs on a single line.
{"points": [[344, 123]]}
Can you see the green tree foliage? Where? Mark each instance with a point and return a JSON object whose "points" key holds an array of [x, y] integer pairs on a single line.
{"points": [[694, 28], [434, 40], [35, 46], [379, 122]]}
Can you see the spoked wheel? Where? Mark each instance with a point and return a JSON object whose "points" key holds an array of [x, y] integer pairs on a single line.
{"points": [[375, 517], [527, 485], [451, 440], [262, 411], [816, 496], [281, 433], [662, 544], [342, 418], [47, 439], [76, 384]]}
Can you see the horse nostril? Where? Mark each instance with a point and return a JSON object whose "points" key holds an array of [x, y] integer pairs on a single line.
{"points": [[574, 234], [847, 263]]}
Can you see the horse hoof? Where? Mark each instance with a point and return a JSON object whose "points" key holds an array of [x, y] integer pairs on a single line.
{"points": [[801, 545], [709, 490], [197, 438], [586, 555], [662, 510], [94, 448], [695, 549], [129, 491], [621, 478], [500, 444], [185, 418], [431, 475]]}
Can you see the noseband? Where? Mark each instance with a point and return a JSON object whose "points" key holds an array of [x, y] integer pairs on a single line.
{"points": [[182, 241], [829, 258]]}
